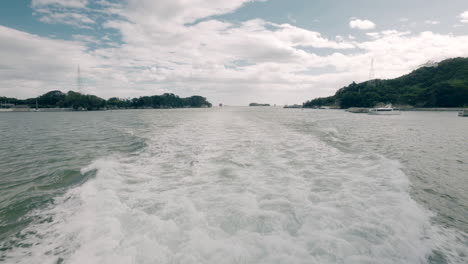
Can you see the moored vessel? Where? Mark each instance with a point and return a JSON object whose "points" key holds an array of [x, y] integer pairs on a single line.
{"points": [[387, 110]]}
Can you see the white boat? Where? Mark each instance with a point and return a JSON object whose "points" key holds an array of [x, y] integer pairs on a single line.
{"points": [[463, 112], [387, 110]]}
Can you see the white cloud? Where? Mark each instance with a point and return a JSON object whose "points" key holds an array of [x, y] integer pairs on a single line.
{"points": [[373, 34], [432, 22], [162, 50], [464, 17], [62, 3], [32, 65], [361, 24], [72, 19], [68, 12], [177, 11], [401, 52], [85, 39]]}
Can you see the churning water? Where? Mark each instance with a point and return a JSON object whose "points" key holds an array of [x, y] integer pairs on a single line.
{"points": [[233, 185]]}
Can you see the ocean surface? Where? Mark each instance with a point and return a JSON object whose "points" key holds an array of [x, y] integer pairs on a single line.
{"points": [[233, 185]]}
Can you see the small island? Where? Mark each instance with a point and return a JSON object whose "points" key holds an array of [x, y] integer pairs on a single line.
{"points": [[74, 101], [293, 106], [257, 104]]}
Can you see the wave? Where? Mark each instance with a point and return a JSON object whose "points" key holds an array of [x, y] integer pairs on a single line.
{"points": [[238, 190]]}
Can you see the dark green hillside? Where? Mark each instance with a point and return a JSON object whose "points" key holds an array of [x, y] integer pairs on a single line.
{"points": [[443, 86], [57, 99]]}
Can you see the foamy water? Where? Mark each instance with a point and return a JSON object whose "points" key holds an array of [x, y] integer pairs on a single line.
{"points": [[231, 187]]}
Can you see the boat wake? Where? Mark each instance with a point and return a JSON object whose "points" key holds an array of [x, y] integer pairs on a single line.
{"points": [[232, 188]]}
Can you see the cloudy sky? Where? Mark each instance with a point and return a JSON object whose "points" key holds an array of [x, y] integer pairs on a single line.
{"points": [[231, 51]]}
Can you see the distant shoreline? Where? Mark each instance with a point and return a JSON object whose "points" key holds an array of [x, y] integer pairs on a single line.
{"points": [[61, 110], [57, 110], [358, 110], [59, 101], [435, 109]]}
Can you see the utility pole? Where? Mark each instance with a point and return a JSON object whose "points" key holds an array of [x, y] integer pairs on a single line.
{"points": [[79, 82], [372, 73]]}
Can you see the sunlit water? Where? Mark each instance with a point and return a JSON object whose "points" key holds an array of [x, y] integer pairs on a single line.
{"points": [[233, 185]]}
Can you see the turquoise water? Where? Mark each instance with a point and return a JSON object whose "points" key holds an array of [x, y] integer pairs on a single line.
{"points": [[233, 185], [41, 157]]}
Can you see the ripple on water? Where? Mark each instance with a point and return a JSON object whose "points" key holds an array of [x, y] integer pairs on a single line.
{"points": [[259, 192]]}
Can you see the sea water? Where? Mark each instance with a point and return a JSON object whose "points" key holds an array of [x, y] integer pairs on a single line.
{"points": [[233, 185]]}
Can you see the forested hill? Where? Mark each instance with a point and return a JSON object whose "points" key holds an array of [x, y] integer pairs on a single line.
{"points": [[444, 85], [76, 100]]}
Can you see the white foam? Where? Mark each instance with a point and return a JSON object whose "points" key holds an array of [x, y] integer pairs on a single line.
{"points": [[234, 190]]}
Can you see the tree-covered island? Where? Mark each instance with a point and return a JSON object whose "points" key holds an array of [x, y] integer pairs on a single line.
{"points": [[78, 101], [444, 84], [257, 104]]}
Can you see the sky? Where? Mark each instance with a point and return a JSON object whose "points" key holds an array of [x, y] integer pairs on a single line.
{"points": [[230, 51]]}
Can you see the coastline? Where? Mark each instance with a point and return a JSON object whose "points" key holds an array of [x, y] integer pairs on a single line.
{"points": [[436, 109], [49, 110]]}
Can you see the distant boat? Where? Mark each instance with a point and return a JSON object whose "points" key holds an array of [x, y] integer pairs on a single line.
{"points": [[387, 110], [463, 112], [358, 110]]}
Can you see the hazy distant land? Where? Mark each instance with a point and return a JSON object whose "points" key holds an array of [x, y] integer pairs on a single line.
{"points": [[257, 104]]}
